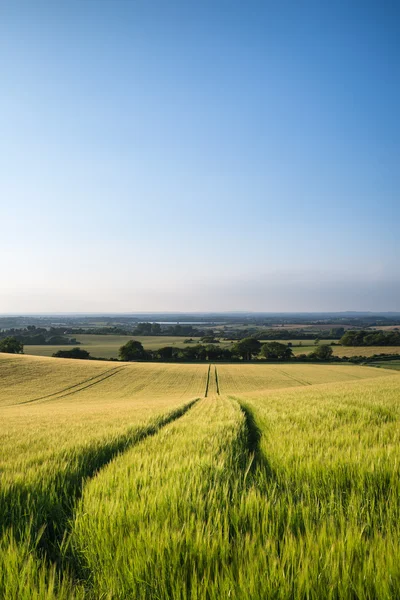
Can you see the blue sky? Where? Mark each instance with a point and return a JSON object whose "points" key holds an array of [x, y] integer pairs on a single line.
{"points": [[199, 156]]}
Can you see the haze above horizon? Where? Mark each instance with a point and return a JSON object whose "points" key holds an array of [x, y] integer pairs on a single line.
{"points": [[199, 157]]}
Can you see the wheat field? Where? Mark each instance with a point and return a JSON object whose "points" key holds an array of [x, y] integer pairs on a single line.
{"points": [[159, 481]]}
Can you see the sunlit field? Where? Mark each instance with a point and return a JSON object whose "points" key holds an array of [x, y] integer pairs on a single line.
{"points": [[351, 350], [161, 481], [107, 346]]}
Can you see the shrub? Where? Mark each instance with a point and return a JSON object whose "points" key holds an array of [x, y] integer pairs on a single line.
{"points": [[73, 353], [11, 345]]}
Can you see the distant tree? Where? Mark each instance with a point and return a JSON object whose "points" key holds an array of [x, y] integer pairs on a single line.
{"points": [[57, 340], [73, 353], [213, 352], [165, 353], [323, 352], [316, 341], [370, 338], [247, 348], [191, 352], [143, 329], [209, 339], [226, 354], [336, 332], [197, 352], [11, 345], [132, 350], [353, 338], [276, 351], [201, 352]]}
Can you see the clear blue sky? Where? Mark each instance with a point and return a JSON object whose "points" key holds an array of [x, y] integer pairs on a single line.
{"points": [[199, 156]]}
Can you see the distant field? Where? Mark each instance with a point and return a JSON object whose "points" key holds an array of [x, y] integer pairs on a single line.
{"points": [[107, 346], [261, 377], [283, 482], [390, 364], [364, 350], [347, 350], [387, 327]]}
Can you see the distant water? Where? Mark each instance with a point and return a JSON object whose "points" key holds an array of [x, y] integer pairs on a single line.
{"points": [[183, 322]]}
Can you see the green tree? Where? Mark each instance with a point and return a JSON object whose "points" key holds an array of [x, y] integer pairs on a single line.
{"points": [[323, 352], [197, 352], [247, 348], [73, 353], [336, 332], [132, 350], [11, 345], [213, 352], [143, 329], [353, 338], [209, 339], [156, 329], [165, 353], [276, 351]]}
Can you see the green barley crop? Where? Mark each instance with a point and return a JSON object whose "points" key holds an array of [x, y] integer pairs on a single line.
{"points": [[283, 483], [155, 522]]}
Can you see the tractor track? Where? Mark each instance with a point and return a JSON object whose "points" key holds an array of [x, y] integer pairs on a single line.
{"points": [[91, 381]]}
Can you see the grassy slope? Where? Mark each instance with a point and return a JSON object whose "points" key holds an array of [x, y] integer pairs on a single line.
{"points": [[247, 378], [48, 446], [150, 526], [56, 419], [28, 379], [316, 514], [323, 516]]}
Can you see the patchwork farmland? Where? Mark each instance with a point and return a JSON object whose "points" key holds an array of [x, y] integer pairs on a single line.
{"points": [[158, 481], [107, 346]]}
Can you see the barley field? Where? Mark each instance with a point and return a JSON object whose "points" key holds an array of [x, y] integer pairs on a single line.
{"points": [[164, 481]]}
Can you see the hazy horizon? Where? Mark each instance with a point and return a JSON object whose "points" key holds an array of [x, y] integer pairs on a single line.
{"points": [[187, 157], [351, 313]]}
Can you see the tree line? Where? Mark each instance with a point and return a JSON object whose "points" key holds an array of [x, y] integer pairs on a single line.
{"points": [[39, 336], [155, 329], [170, 330], [284, 334], [246, 350], [368, 338]]}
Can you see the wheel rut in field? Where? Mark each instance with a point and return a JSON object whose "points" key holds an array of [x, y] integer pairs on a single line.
{"points": [[257, 460], [49, 515], [212, 385], [294, 378], [73, 389], [216, 379], [207, 382]]}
